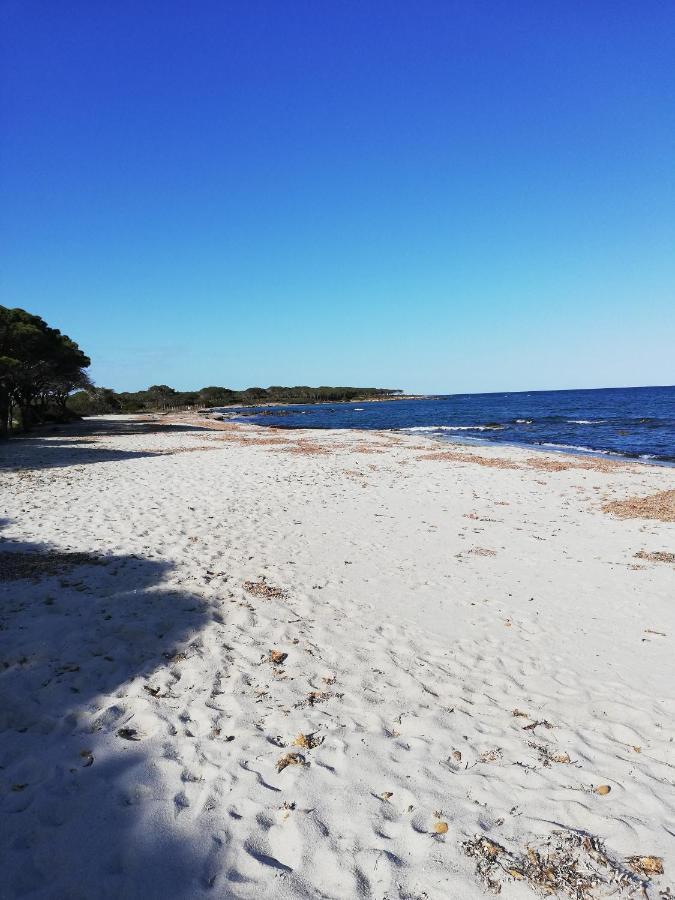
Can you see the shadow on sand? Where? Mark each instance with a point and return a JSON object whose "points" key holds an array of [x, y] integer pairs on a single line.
{"points": [[81, 640], [76, 444]]}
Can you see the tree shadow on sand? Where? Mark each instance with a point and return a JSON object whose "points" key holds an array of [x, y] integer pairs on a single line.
{"points": [[87, 645], [76, 444], [120, 425]]}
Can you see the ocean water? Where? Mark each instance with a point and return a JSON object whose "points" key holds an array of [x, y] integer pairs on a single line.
{"points": [[628, 422]]}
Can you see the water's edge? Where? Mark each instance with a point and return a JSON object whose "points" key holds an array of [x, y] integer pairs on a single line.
{"points": [[632, 424]]}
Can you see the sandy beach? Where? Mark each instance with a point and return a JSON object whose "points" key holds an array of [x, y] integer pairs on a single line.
{"points": [[238, 662]]}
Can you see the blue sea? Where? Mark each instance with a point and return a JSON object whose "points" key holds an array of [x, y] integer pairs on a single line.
{"points": [[637, 423]]}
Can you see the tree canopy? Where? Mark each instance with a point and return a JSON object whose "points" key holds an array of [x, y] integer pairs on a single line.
{"points": [[39, 368]]}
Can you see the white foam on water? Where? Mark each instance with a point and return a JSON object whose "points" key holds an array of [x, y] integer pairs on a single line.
{"points": [[577, 447], [454, 428], [586, 421]]}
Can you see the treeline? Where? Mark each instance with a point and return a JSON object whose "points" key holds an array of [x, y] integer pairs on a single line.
{"points": [[161, 398], [39, 369], [43, 379]]}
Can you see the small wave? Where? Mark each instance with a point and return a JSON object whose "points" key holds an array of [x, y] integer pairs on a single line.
{"points": [[359, 409], [454, 428], [586, 421], [523, 421], [570, 447], [579, 448]]}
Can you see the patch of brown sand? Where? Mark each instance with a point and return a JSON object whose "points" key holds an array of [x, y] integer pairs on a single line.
{"points": [[572, 462], [367, 448], [550, 465], [660, 506], [263, 588], [282, 444], [540, 463], [305, 448], [454, 456], [175, 450], [241, 439], [656, 556]]}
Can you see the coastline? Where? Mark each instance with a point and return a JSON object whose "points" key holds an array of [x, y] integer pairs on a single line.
{"points": [[429, 634], [438, 441], [278, 403], [630, 423]]}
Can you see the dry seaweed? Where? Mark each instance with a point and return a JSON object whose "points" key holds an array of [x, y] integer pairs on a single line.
{"points": [[570, 864], [290, 759], [313, 698], [308, 741], [570, 461], [305, 448], [456, 456], [656, 556], [488, 756], [646, 865], [262, 588], [660, 506], [548, 756]]}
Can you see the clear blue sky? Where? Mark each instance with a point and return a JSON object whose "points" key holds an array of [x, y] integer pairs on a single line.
{"points": [[438, 196]]}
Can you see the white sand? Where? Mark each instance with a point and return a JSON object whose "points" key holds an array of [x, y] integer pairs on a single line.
{"points": [[424, 600]]}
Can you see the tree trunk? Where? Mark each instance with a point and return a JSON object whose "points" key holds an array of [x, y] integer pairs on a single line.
{"points": [[26, 417], [4, 413]]}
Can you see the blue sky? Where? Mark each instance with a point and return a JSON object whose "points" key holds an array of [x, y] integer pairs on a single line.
{"points": [[436, 196]]}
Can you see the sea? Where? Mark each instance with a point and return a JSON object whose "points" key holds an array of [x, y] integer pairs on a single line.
{"points": [[634, 423]]}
